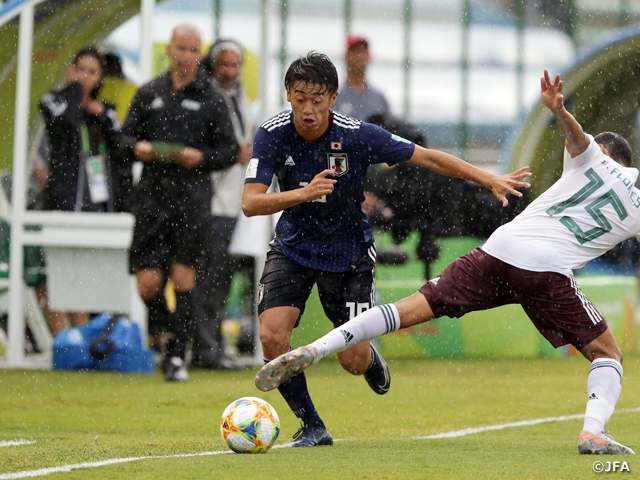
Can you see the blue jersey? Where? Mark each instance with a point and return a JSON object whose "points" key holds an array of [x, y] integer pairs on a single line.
{"points": [[332, 232]]}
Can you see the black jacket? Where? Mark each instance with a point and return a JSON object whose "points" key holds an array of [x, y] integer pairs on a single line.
{"points": [[195, 116], [67, 188]]}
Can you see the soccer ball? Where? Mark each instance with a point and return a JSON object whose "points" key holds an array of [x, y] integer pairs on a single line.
{"points": [[250, 425]]}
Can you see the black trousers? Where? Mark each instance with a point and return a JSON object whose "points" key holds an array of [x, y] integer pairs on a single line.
{"points": [[214, 276]]}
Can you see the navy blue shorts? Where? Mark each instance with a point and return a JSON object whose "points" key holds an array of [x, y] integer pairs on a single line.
{"points": [[554, 302], [343, 295]]}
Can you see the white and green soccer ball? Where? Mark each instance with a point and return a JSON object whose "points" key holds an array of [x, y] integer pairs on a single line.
{"points": [[250, 425]]}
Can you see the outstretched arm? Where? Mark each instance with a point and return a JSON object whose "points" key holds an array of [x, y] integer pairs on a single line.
{"points": [[575, 141], [450, 166]]}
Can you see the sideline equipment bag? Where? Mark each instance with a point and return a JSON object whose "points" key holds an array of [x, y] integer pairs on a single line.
{"points": [[108, 342]]}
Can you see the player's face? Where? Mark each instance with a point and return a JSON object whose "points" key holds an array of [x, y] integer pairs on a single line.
{"points": [[227, 68], [310, 104], [184, 53]]}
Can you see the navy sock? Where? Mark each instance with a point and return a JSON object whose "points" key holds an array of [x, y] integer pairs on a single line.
{"points": [[296, 394]]}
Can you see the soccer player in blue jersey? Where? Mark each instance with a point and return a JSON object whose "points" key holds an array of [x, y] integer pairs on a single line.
{"points": [[320, 159]]}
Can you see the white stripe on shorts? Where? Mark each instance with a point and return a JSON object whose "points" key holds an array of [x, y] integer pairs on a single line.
{"points": [[372, 253], [588, 306]]}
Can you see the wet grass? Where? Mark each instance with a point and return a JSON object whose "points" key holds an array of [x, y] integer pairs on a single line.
{"points": [[78, 417]]}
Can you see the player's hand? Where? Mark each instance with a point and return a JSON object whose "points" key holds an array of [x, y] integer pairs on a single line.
{"points": [[144, 151], [551, 93], [188, 157], [504, 184], [320, 185]]}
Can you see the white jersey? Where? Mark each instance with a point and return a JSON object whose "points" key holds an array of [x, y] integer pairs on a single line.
{"points": [[589, 210]]}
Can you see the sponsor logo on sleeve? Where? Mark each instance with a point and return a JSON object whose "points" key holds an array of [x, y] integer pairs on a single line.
{"points": [[252, 168]]}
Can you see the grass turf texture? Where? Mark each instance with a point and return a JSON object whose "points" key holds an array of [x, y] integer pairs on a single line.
{"points": [[139, 416]]}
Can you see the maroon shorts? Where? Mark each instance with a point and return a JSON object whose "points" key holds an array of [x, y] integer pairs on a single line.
{"points": [[554, 303]]}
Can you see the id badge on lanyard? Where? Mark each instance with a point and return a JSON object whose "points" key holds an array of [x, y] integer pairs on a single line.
{"points": [[96, 169]]}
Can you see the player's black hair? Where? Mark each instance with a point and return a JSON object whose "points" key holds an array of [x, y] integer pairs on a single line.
{"points": [[617, 146], [94, 53], [314, 68]]}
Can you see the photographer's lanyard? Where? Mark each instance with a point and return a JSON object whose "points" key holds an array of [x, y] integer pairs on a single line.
{"points": [[95, 166]]}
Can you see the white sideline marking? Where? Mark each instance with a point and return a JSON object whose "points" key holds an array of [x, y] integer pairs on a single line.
{"points": [[524, 423], [113, 461], [103, 463], [456, 433], [15, 443]]}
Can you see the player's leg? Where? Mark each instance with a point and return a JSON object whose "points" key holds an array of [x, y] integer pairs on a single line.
{"points": [[282, 294], [603, 390], [343, 296], [563, 314], [276, 326], [372, 323]]}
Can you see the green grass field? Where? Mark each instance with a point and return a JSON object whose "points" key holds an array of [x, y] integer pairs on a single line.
{"points": [[526, 408], [82, 418]]}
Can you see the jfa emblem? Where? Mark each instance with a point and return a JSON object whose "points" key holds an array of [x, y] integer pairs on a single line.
{"points": [[339, 163]]}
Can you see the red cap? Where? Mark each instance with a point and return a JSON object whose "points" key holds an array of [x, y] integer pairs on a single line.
{"points": [[353, 40]]}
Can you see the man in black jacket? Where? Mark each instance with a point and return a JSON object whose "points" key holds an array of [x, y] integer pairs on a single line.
{"points": [[180, 129]]}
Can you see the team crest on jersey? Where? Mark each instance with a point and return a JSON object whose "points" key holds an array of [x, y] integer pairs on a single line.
{"points": [[339, 163]]}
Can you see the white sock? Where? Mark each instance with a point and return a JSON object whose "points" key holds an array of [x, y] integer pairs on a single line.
{"points": [[370, 324], [603, 389]]}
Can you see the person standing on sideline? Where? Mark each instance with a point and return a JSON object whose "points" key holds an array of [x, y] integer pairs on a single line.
{"points": [[320, 159], [225, 61], [79, 169], [530, 261], [180, 129], [357, 98]]}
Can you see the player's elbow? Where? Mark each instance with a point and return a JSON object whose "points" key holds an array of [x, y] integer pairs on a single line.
{"points": [[248, 208]]}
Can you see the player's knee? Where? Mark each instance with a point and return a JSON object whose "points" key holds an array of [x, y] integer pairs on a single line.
{"points": [[274, 339]]}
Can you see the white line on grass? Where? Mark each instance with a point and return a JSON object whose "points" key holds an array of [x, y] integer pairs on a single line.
{"points": [[456, 433], [113, 461], [15, 443], [524, 423]]}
